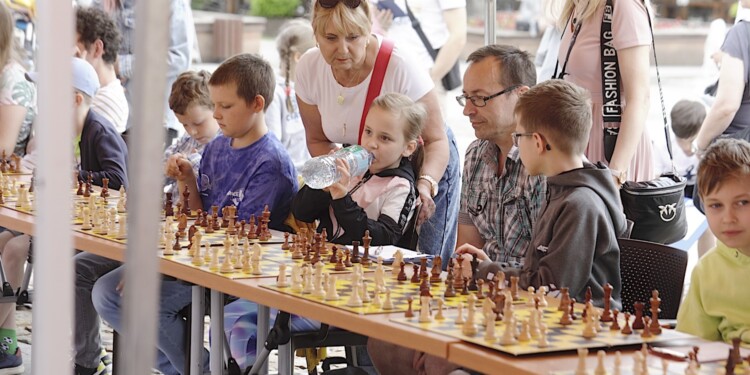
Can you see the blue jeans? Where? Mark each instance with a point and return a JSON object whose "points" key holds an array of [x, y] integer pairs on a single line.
{"points": [[88, 342], [437, 236], [175, 295]]}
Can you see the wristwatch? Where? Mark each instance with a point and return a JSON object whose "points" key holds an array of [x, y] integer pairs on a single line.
{"points": [[620, 176], [433, 184]]}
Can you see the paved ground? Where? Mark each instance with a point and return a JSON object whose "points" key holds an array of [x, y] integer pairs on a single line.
{"points": [[678, 83]]}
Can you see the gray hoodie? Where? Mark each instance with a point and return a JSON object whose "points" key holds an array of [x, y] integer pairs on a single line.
{"points": [[574, 239]]}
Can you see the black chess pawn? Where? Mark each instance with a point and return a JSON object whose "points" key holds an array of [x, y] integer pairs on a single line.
{"points": [[415, 274], [465, 288], [355, 252], [401, 274]]}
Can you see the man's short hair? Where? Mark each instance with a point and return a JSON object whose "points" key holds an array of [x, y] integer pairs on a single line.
{"points": [[725, 159], [93, 24], [190, 88], [517, 67], [251, 73], [559, 110], [687, 117]]}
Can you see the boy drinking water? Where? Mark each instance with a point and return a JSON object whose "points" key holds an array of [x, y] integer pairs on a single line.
{"points": [[716, 306]]}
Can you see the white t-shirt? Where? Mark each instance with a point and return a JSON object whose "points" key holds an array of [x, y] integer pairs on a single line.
{"points": [[287, 126], [430, 16], [316, 85], [686, 166], [110, 102]]}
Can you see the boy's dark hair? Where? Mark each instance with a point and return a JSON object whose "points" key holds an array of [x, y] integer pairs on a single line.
{"points": [[725, 159], [190, 88], [517, 67], [251, 73], [687, 117], [561, 111], [414, 114], [93, 24]]}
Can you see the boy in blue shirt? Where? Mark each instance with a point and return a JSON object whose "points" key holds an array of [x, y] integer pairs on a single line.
{"points": [[245, 167]]}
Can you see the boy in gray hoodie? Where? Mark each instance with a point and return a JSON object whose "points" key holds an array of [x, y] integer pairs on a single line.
{"points": [[574, 239]]}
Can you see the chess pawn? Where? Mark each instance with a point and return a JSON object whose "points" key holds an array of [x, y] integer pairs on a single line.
{"points": [[525, 334], [489, 327], [376, 302], [646, 333], [214, 265], [439, 315], [509, 333], [424, 309], [122, 228], [197, 260], [365, 294], [226, 265], [245, 267], [615, 323], [626, 330], [530, 302], [542, 342], [387, 304], [86, 219]]}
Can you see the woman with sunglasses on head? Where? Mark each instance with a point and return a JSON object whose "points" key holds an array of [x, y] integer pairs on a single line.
{"points": [[629, 153], [332, 84]]}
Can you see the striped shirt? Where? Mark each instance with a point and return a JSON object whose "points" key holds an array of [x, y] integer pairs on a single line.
{"points": [[111, 103], [502, 208]]}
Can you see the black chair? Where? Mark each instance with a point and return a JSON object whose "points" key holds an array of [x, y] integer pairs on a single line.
{"points": [[645, 266]]}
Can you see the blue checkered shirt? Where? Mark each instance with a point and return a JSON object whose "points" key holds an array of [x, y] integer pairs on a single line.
{"points": [[502, 208]]}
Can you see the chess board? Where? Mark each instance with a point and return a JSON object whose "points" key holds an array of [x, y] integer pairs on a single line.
{"points": [[110, 236], [400, 291], [216, 238], [268, 268], [559, 337]]}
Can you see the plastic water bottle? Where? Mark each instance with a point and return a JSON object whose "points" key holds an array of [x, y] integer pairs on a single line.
{"points": [[321, 171]]}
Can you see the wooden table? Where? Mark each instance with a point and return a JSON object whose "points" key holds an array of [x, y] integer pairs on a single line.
{"points": [[377, 326]]}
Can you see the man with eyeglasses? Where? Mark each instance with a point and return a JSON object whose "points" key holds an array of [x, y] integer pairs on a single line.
{"points": [[499, 200]]}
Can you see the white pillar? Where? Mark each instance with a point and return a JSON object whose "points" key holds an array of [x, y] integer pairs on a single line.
{"points": [[53, 306], [144, 193]]}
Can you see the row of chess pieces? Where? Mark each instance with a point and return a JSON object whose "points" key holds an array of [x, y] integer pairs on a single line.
{"points": [[307, 278], [234, 257], [96, 216], [312, 247]]}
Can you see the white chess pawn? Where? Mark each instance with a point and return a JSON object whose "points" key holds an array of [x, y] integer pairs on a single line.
{"points": [[525, 334], [387, 304], [581, 368], [376, 302], [354, 299], [122, 229], [618, 363], [460, 313], [469, 328], [364, 294], [509, 333], [542, 342], [332, 294], [530, 301], [281, 280], [600, 370], [86, 219], [214, 265], [439, 315], [424, 309]]}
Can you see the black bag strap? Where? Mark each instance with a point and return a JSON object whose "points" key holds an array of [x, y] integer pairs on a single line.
{"points": [[607, 27], [573, 38], [418, 28], [610, 69]]}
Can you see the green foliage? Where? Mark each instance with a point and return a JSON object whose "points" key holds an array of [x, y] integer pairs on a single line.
{"points": [[274, 8], [197, 4]]}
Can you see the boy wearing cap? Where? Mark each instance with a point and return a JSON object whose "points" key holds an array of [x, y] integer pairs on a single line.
{"points": [[103, 154]]}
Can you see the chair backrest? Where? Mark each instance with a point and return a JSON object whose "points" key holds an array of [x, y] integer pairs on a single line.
{"points": [[645, 266], [411, 233]]}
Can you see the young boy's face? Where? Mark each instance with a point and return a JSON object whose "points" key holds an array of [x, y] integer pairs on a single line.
{"points": [[728, 213], [199, 123], [526, 149], [231, 112]]}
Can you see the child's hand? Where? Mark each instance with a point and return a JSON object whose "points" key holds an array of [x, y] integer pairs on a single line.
{"points": [[471, 249], [341, 188], [179, 168]]}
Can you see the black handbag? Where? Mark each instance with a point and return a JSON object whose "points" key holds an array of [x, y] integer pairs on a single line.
{"points": [[656, 207], [452, 79]]}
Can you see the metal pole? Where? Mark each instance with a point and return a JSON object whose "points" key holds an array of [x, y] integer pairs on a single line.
{"points": [[196, 332], [490, 36], [217, 327], [53, 310], [263, 324], [146, 145]]}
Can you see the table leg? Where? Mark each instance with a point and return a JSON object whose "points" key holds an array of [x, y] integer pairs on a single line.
{"points": [[264, 317], [217, 327], [286, 360], [196, 332]]}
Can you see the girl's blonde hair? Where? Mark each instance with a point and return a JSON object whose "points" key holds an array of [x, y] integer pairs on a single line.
{"points": [[295, 36], [9, 48], [346, 20], [413, 114], [589, 8]]}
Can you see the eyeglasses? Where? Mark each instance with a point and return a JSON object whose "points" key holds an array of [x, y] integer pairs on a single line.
{"points": [[481, 101], [328, 4], [515, 137]]}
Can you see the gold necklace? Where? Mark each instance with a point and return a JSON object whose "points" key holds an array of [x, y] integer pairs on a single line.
{"points": [[340, 98]]}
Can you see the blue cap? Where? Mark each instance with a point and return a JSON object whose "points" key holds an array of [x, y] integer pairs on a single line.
{"points": [[85, 79]]}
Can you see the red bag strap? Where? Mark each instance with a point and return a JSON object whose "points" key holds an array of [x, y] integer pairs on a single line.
{"points": [[376, 83]]}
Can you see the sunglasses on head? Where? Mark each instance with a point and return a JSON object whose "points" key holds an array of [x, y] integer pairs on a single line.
{"points": [[328, 4]]}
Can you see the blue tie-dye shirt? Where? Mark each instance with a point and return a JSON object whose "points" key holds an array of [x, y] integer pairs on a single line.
{"points": [[248, 178]]}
